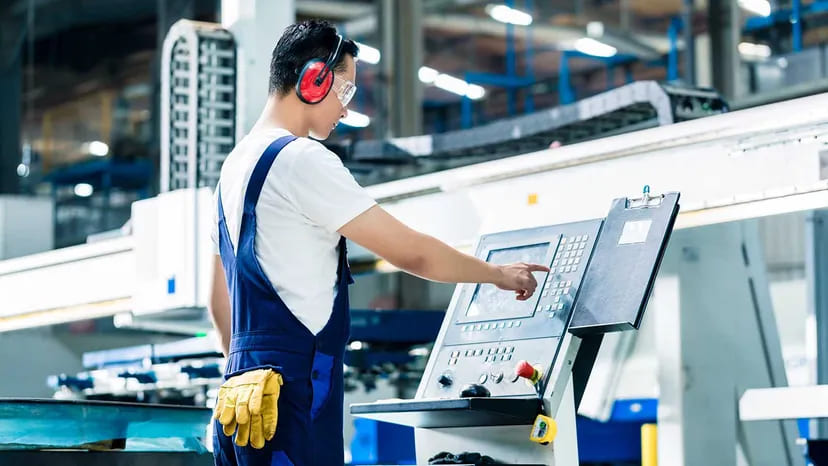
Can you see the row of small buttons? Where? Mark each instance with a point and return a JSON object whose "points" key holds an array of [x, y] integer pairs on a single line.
{"points": [[557, 293], [569, 254], [503, 357], [554, 307], [574, 252], [570, 261], [482, 351], [561, 288], [563, 269], [574, 239], [505, 354], [490, 326]]}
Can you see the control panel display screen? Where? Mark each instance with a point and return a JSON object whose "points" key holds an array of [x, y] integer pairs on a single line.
{"points": [[491, 303]]}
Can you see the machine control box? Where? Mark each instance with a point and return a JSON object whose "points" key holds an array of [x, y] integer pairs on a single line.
{"points": [[489, 331], [601, 274]]}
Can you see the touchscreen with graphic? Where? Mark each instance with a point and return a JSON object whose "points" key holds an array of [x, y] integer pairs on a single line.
{"points": [[491, 303]]}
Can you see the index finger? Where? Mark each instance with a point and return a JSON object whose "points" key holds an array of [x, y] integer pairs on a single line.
{"points": [[537, 268]]}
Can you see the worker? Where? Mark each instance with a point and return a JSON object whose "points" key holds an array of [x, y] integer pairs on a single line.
{"points": [[284, 206]]}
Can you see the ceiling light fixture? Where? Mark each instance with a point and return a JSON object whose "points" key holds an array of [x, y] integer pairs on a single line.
{"points": [[755, 51], [84, 190], [98, 148], [509, 15], [759, 7], [356, 119], [368, 54], [590, 46], [450, 83], [427, 75]]}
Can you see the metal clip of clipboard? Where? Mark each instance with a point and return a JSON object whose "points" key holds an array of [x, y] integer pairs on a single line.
{"points": [[646, 201]]}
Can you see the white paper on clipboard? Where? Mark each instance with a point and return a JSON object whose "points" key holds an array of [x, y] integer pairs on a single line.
{"points": [[635, 232]]}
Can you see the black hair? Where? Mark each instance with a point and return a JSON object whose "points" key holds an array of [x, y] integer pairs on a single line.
{"points": [[300, 43]]}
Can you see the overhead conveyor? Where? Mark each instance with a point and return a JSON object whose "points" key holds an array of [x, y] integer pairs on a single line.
{"points": [[628, 108]]}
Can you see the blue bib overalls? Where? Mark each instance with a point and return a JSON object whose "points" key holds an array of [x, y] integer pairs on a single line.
{"points": [[265, 333]]}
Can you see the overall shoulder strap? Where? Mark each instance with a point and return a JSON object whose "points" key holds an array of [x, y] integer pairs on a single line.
{"points": [[260, 171]]}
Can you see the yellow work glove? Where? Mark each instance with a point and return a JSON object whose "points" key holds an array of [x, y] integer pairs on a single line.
{"points": [[248, 403]]}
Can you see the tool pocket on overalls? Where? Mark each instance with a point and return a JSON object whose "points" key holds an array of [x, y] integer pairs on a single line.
{"points": [[321, 381], [279, 458]]}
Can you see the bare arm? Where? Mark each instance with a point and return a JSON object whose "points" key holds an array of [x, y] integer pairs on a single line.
{"points": [[219, 306], [430, 258]]}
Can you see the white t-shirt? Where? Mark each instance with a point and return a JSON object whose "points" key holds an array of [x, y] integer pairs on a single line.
{"points": [[307, 196]]}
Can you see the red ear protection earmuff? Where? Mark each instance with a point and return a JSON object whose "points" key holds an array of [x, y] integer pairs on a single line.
{"points": [[316, 78]]}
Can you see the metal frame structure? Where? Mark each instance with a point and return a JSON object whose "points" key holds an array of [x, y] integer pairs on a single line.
{"points": [[816, 263], [198, 104], [716, 336], [510, 81], [634, 106]]}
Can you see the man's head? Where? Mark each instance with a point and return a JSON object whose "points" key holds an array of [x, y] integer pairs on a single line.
{"points": [[301, 43]]}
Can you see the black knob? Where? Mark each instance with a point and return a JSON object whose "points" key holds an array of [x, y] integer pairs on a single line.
{"points": [[475, 391], [445, 380]]}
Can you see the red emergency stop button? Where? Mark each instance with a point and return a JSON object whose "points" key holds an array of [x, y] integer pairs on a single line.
{"points": [[526, 371]]}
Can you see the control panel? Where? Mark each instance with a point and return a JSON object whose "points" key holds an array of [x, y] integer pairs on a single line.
{"points": [[603, 269], [487, 331]]}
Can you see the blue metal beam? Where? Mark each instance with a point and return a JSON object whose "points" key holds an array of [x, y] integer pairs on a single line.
{"points": [[672, 55], [497, 79], [466, 112], [529, 100], [566, 95], [511, 60], [610, 76], [616, 59], [796, 25]]}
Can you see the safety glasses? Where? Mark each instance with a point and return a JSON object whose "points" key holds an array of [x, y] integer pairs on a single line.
{"points": [[344, 90]]}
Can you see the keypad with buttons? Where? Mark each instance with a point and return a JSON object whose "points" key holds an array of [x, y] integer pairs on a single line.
{"points": [[490, 354], [568, 257]]}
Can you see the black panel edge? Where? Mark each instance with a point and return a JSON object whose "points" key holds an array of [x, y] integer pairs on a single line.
{"points": [[584, 362], [456, 412], [661, 252], [584, 331]]}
